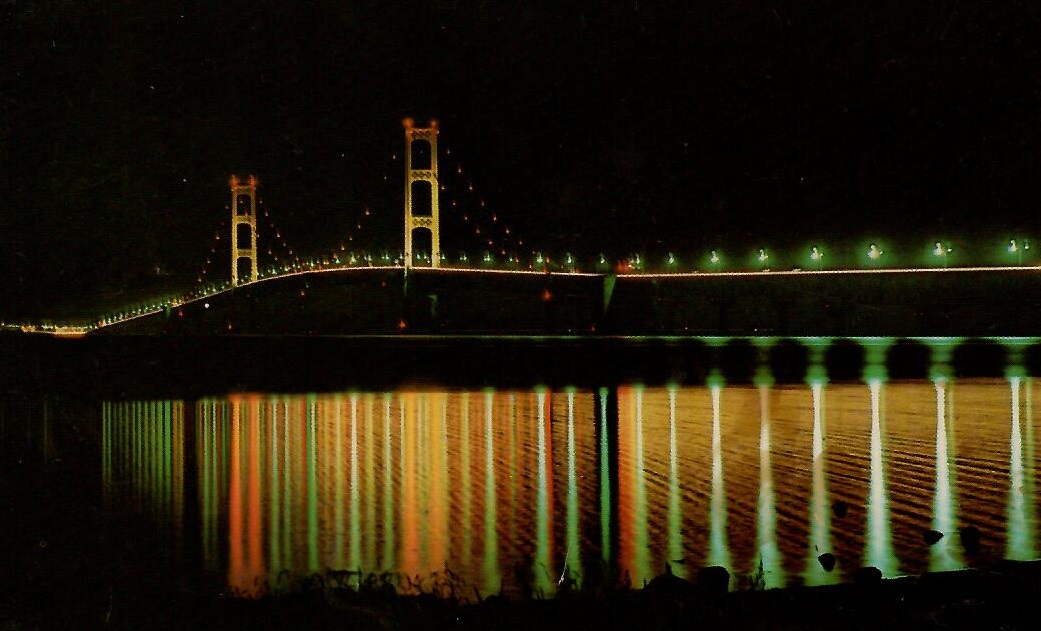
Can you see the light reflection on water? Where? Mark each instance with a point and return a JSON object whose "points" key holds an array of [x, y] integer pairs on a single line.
{"points": [[879, 548], [944, 555], [526, 490]]}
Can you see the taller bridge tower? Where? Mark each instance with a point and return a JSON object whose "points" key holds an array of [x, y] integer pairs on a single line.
{"points": [[244, 214], [428, 175]]}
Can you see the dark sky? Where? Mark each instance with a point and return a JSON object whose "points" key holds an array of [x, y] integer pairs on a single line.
{"points": [[614, 127]]}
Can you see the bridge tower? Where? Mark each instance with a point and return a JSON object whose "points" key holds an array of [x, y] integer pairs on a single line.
{"points": [[243, 213], [412, 221]]}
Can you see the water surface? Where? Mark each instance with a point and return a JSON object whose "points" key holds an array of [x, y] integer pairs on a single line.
{"points": [[536, 489]]}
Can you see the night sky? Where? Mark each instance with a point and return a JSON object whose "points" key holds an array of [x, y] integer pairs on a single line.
{"points": [[591, 127]]}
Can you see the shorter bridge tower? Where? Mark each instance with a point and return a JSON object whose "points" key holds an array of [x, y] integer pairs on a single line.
{"points": [[243, 213], [412, 221]]}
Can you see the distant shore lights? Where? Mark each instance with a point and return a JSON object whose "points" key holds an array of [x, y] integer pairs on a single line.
{"points": [[1017, 249]]}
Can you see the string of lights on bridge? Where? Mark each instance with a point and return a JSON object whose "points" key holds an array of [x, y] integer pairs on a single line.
{"points": [[636, 265], [496, 240], [500, 249]]}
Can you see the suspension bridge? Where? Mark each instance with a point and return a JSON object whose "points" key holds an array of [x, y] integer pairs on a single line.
{"points": [[663, 296]]}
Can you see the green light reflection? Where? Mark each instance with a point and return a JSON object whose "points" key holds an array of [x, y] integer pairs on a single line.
{"points": [[941, 350], [573, 554], [543, 561], [875, 352]]}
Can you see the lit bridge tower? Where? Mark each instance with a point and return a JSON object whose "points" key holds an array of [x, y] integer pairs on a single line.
{"points": [[428, 175], [243, 213]]}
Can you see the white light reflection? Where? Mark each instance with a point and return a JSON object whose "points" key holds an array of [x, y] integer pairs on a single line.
{"points": [[944, 554], [766, 533], [820, 516], [879, 551], [1030, 471], [719, 553], [1020, 535]]}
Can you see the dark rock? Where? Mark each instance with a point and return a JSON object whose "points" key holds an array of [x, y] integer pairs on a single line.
{"points": [[670, 586], [970, 539], [931, 536], [714, 579], [868, 576], [839, 508], [827, 561]]}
